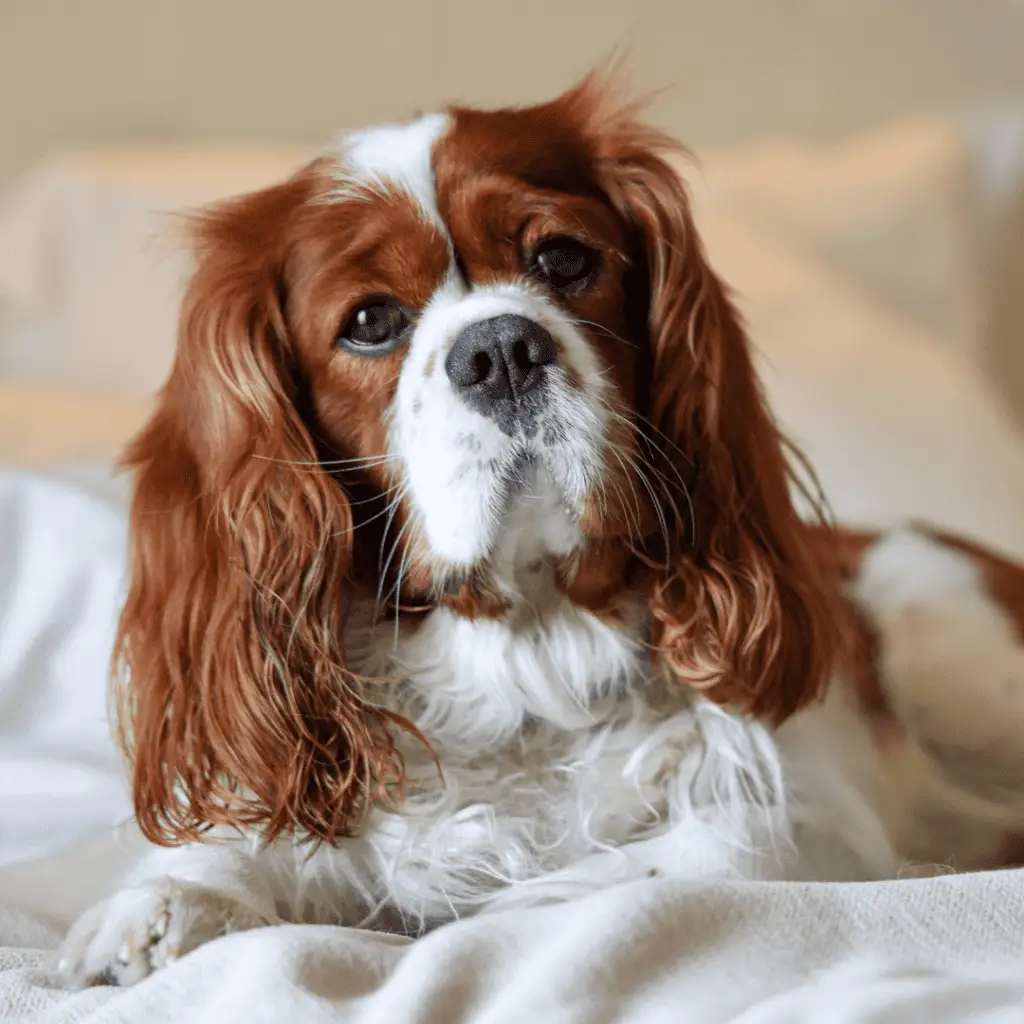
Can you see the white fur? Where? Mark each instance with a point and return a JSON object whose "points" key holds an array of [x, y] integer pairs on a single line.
{"points": [[474, 683], [383, 158], [458, 465], [954, 667]]}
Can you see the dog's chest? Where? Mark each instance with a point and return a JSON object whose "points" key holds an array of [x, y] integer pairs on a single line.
{"points": [[533, 806], [575, 788], [553, 740]]}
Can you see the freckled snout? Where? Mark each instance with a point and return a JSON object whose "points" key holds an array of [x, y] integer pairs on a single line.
{"points": [[494, 363]]}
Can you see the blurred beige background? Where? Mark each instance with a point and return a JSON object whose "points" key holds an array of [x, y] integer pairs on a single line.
{"points": [[84, 71], [88, 73]]}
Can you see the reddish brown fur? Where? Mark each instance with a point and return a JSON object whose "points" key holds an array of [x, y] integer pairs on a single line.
{"points": [[742, 608], [476, 600], [843, 550], [1003, 579]]}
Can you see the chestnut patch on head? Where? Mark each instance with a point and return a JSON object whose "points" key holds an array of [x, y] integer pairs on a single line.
{"points": [[520, 192]]}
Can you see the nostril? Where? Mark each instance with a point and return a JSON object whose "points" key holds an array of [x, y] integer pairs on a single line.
{"points": [[521, 355], [481, 367]]}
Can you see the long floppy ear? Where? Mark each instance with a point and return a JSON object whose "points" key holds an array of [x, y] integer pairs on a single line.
{"points": [[742, 608], [234, 703]]}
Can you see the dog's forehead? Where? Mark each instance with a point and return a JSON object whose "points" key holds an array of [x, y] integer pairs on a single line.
{"points": [[542, 147], [430, 158]]}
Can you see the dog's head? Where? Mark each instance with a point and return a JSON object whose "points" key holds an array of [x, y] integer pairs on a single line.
{"points": [[444, 354]]}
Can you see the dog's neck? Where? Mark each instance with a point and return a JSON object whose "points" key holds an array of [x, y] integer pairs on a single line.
{"points": [[544, 630], [474, 682]]}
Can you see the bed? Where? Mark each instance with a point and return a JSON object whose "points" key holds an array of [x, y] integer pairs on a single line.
{"points": [[856, 268]]}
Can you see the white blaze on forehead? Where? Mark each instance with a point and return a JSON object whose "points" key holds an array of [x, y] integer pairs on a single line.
{"points": [[387, 157]]}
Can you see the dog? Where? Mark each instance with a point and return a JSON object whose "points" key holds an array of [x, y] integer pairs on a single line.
{"points": [[466, 572]]}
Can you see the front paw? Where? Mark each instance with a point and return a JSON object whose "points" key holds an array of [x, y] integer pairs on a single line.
{"points": [[139, 930]]}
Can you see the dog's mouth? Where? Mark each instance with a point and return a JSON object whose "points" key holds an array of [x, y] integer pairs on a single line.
{"points": [[519, 472], [535, 478], [479, 497], [535, 518]]}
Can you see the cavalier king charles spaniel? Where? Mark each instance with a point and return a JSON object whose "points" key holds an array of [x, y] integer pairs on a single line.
{"points": [[467, 570]]}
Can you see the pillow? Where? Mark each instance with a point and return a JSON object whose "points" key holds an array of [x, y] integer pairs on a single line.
{"points": [[46, 427], [92, 262], [893, 211], [896, 427]]}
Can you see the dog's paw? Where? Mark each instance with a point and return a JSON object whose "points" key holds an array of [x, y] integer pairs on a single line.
{"points": [[139, 930]]}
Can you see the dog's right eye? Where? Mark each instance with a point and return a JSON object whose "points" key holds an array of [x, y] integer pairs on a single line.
{"points": [[375, 328], [567, 264]]}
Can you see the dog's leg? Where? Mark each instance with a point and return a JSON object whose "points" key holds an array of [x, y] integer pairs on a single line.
{"points": [[175, 900], [951, 665]]}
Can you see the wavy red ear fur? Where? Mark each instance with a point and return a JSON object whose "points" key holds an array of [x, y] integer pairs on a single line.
{"points": [[234, 703], [743, 610]]}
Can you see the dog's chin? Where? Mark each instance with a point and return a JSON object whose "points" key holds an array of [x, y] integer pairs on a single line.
{"points": [[515, 497], [533, 516], [533, 482]]}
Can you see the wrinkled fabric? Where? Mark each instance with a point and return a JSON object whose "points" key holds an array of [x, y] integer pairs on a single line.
{"points": [[929, 951]]}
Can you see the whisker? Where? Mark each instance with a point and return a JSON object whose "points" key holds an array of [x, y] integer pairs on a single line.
{"points": [[368, 460], [390, 507], [387, 564], [605, 330], [376, 497], [397, 590], [810, 489], [683, 487], [390, 511], [647, 422], [662, 522], [641, 476], [635, 496]]}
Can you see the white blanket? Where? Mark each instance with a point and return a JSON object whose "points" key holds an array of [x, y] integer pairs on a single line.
{"points": [[935, 951], [62, 545]]}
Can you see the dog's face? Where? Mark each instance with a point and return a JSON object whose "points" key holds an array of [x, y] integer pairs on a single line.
{"points": [[460, 308], [446, 359]]}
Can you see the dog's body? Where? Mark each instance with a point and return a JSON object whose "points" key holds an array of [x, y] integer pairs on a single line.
{"points": [[607, 631], [652, 781]]}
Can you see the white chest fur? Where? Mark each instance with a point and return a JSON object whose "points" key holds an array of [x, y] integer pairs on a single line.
{"points": [[564, 761]]}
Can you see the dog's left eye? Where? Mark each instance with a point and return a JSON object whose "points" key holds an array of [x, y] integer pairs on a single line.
{"points": [[565, 263], [375, 328]]}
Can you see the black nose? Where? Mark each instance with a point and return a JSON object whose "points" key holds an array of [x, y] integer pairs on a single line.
{"points": [[499, 359]]}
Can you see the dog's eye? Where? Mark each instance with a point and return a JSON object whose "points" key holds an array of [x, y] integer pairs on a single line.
{"points": [[375, 328], [565, 263]]}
